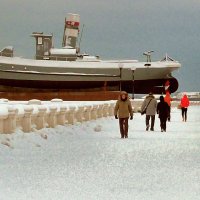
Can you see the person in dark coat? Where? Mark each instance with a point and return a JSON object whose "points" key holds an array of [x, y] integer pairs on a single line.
{"points": [[163, 113]]}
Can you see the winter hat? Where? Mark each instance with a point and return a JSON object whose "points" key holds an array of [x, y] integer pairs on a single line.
{"points": [[123, 93], [161, 98]]}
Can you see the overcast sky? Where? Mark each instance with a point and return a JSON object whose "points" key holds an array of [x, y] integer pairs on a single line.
{"points": [[112, 29]]}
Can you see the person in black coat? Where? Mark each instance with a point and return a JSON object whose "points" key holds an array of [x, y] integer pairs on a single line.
{"points": [[163, 113]]}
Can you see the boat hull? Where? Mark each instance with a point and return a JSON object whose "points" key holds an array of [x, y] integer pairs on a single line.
{"points": [[53, 89], [27, 76]]}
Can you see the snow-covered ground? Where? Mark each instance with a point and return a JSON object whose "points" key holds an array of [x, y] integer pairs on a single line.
{"points": [[89, 161]]}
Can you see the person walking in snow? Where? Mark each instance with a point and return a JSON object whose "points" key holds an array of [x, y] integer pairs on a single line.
{"points": [[163, 113], [168, 100], [184, 106], [122, 111], [150, 104]]}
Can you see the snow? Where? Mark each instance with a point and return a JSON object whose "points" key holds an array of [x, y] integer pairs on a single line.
{"points": [[3, 111], [89, 161]]}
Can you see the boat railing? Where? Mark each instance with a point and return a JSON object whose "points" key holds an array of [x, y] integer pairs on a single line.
{"points": [[56, 57]]}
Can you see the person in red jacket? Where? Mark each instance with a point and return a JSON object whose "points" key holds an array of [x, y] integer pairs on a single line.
{"points": [[168, 100], [184, 106]]}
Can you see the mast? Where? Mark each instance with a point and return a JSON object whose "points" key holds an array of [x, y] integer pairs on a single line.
{"points": [[79, 44], [71, 30]]}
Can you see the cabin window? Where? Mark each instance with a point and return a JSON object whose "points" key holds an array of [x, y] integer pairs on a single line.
{"points": [[39, 40], [47, 44]]}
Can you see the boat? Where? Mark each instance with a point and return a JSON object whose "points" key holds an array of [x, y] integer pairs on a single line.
{"points": [[66, 72]]}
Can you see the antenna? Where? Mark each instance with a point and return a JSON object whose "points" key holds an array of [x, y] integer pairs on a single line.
{"points": [[79, 44], [64, 36], [148, 55]]}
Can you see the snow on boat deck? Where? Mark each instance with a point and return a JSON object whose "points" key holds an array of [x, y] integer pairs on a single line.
{"points": [[90, 161]]}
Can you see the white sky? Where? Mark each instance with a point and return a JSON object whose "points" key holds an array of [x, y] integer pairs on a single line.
{"points": [[113, 29]]}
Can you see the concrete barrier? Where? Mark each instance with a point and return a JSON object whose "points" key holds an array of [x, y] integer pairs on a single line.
{"points": [[52, 116], [94, 112], [40, 119], [3, 116], [10, 121], [61, 115], [105, 110], [87, 113], [70, 115], [79, 114], [26, 121], [99, 111], [111, 109], [37, 114]]}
